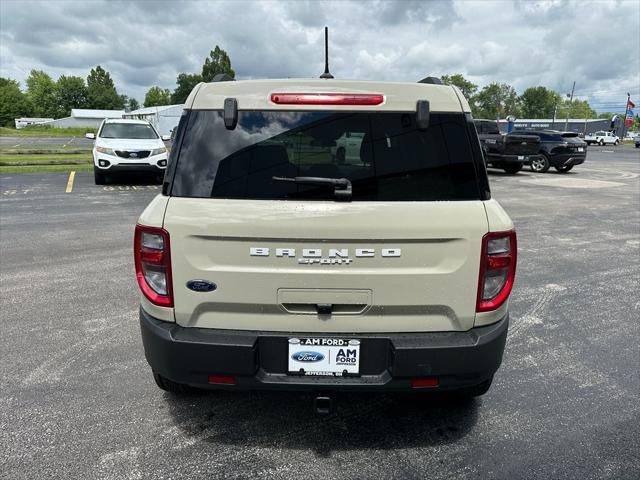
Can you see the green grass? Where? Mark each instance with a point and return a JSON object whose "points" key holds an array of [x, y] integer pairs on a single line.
{"points": [[40, 131], [45, 168], [45, 159]]}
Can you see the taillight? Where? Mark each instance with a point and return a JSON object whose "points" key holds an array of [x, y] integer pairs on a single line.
{"points": [[327, 98], [153, 264], [497, 269]]}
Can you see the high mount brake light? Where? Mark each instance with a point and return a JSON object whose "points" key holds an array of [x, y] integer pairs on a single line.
{"points": [[327, 98], [497, 269], [153, 264]]}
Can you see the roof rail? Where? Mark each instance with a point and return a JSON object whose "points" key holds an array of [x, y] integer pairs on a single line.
{"points": [[431, 80], [222, 77]]}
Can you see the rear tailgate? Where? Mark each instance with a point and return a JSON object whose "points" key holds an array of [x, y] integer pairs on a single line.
{"points": [[426, 280]]}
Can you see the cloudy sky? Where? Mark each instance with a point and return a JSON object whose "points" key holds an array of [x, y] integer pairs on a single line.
{"points": [[145, 43]]}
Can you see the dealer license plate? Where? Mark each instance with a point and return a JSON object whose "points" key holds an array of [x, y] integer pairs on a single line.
{"points": [[324, 356], [520, 157], [580, 149]]}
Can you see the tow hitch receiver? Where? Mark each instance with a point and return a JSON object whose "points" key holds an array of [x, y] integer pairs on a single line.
{"points": [[323, 405]]}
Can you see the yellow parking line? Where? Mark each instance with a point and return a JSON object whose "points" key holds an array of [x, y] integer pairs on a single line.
{"points": [[72, 175]]}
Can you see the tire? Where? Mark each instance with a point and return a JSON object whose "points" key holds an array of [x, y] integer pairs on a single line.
{"points": [[512, 168], [171, 386], [99, 177], [616, 142], [601, 143], [564, 169], [540, 164]]}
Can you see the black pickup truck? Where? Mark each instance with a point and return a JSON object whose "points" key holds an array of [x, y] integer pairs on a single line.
{"points": [[508, 152]]}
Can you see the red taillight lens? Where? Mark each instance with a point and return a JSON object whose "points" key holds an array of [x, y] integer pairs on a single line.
{"points": [[497, 269], [327, 98], [153, 264]]}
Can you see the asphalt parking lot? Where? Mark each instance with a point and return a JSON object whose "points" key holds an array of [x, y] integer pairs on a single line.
{"points": [[78, 400], [45, 141]]}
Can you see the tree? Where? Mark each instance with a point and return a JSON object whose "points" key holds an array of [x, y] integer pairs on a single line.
{"points": [[217, 62], [41, 90], [468, 88], [133, 104], [496, 100], [185, 82], [71, 92], [102, 93], [13, 103], [576, 109], [538, 102], [157, 96]]}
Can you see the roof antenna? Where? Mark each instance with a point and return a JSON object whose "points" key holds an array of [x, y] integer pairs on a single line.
{"points": [[326, 73]]}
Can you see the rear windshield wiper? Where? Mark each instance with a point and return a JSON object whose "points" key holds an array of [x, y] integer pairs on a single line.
{"points": [[342, 186]]}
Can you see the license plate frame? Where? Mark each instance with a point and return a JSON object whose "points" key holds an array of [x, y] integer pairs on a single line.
{"points": [[323, 356]]}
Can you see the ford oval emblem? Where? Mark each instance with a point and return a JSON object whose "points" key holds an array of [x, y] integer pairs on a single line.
{"points": [[307, 357], [201, 285]]}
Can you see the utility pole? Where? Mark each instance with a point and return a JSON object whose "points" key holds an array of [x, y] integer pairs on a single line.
{"points": [[566, 123], [555, 112]]}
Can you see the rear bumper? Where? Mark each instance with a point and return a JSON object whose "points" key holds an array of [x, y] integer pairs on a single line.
{"points": [[258, 360], [567, 159]]}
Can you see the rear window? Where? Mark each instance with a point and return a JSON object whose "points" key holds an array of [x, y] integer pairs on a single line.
{"points": [[384, 155]]}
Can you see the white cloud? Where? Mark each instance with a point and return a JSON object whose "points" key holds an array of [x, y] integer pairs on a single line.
{"points": [[523, 43]]}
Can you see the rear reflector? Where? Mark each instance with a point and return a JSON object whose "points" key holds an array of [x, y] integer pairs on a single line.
{"points": [[327, 98], [222, 380], [424, 382]]}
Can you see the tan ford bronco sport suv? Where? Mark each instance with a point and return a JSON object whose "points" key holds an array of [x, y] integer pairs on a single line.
{"points": [[271, 262]]}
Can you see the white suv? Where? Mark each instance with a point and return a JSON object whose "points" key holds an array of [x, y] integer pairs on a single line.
{"points": [[125, 146], [269, 262]]}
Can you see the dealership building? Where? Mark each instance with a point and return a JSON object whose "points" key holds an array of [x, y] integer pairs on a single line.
{"points": [[578, 125]]}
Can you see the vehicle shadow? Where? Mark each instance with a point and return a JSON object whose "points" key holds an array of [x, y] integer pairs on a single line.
{"points": [[287, 420]]}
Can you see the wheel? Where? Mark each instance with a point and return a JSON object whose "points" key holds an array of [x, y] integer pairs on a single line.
{"points": [[341, 155], [171, 386], [99, 177], [616, 142], [540, 164], [564, 169], [512, 168], [601, 143]]}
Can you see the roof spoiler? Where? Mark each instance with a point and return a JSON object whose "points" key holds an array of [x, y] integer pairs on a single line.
{"points": [[223, 77], [431, 80]]}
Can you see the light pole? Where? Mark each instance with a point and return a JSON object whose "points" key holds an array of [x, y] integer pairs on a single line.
{"points": [[566, 122]]}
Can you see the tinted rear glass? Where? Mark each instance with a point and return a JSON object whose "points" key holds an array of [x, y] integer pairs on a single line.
{"points": [[384, 155]]}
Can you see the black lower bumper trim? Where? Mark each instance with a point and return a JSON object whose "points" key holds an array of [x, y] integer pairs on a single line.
{"points": [[123, 168], [258, 360]]}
